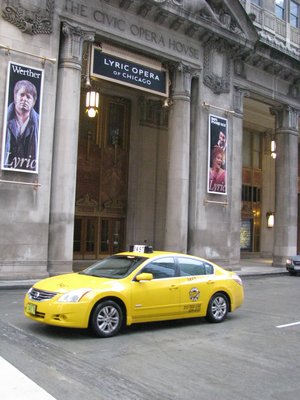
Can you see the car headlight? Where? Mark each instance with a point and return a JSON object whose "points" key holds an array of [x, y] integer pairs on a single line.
{"points": [[289, 261], [73, 296], [237, 279]]}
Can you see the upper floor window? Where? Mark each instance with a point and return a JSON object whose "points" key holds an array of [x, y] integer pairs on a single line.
{"points": [[280, 8], [294, 14]]}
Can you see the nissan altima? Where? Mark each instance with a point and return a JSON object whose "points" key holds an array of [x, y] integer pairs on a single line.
{"points": [[137, 286]]}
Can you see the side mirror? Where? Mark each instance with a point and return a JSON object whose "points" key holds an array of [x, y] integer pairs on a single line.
{"points": [[145, 276]]}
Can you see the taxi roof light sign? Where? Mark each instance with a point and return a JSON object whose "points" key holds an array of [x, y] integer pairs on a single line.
{"points": [[141, 248]]}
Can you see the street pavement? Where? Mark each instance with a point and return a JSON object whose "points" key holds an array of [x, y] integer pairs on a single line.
{"points": [[16, 386]]}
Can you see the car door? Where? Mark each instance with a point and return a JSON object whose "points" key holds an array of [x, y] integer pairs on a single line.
{"points": [[196, 285], [158, 298]]}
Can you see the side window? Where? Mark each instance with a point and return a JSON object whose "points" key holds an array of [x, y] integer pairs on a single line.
{"points": [[161, 268], [191, 267], [209, 269]]}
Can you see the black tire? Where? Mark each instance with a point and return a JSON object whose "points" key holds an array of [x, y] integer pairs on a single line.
{"points": [[106, 319], [217, 308], [293, 273]]}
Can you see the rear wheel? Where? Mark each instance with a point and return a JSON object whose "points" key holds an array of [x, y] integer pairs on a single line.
{"points": [[217, 308], [107, 319]]}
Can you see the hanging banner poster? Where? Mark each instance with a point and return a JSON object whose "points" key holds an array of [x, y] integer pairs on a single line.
{"points": [[217, 149], [21, 132]]}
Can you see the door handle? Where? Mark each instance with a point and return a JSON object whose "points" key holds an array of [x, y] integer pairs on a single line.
{"points": [[210, 282], [172, 287]]}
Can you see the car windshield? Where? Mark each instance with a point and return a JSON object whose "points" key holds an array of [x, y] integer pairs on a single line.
{"points": [[114, 267]]}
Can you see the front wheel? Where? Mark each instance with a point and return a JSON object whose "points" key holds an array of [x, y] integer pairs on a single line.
{"points": [[217, 308], [106, 319]]}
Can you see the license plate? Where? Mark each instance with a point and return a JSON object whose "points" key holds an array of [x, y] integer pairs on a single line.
{"points": [[31, 308]]}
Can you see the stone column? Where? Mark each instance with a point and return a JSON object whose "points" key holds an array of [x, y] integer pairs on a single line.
{"points": [[234, 174], [286, 191], [176, 232], [65, 149]]}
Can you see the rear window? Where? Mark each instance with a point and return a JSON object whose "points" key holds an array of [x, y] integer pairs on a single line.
{"points": [[192, 267]]}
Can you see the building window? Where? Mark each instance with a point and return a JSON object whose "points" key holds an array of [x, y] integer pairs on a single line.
{"points": [[280, 8], [294, 14], [257, 2]]}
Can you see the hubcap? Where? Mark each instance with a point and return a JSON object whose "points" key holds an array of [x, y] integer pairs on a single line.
{"points": [[219, 307], [108, 319]]}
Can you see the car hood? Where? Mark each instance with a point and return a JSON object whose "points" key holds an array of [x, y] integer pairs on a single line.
{"points": [[67, 282]]}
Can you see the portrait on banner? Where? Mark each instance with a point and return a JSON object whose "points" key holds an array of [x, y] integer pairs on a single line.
{"points": [[22, 122], [217, 151]]}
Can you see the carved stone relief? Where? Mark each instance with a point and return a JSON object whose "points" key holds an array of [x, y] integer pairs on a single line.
{"points": [[37, 20], [217, 66], [211, 11], [194, 7]]}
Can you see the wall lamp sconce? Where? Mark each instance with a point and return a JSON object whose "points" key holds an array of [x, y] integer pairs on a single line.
{"points": [[273, 149], [92, 103], [270, 219], [270, 143], [167, 102]]}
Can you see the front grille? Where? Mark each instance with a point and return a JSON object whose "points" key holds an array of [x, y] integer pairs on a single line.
{"points": [[40, 295], [296, 262]]}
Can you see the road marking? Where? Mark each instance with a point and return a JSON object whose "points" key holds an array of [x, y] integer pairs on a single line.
{"points": [[15, 385], [287, 325]]}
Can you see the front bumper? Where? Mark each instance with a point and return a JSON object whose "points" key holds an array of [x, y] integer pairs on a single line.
{"points": [[51, 312], [293, 268]]}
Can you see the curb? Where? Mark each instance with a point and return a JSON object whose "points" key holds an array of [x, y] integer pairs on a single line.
{"points": [[25, 284]]}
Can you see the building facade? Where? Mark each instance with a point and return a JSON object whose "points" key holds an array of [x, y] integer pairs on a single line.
{"points": [[192, 147]]}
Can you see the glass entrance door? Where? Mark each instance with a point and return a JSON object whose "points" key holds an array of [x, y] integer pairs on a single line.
{"points": [[111, 234], [95, 237]]}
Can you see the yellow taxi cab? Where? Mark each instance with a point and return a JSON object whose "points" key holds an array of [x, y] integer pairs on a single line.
{"points": [[140, 285]]}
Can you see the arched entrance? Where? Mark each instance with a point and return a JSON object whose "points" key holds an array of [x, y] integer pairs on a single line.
{"points": [[258, 178], [102, 176]]}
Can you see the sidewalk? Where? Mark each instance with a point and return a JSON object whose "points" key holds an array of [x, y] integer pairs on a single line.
{"points": [[17, 386], [252, 267], [256, 267]]}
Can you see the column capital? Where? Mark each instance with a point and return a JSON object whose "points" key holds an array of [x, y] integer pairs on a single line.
{"points": [[287, 118], [181, 76], [72, 43]]}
